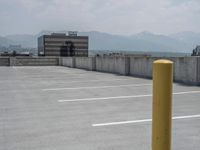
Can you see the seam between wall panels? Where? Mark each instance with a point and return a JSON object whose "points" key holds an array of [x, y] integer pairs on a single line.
{"points": [[198, 71]]}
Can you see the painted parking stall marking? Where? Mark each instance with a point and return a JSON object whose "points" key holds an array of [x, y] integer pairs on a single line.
{"points": [[142, 121], [97, 87], [122, 97]]}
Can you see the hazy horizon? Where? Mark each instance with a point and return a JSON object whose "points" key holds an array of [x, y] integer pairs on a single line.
{"points": [[109, 16], [64, 31]]}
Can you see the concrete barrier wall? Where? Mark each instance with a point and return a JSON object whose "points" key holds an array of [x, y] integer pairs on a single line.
{"points": [[88, 63], [119, 65], [67, 61], [185, 68], [198, 70], [4, 61], [29, 61], [141, 66]]}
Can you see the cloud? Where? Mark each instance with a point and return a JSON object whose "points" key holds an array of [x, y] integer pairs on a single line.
{"points": [[114, 16], [180, 2]]}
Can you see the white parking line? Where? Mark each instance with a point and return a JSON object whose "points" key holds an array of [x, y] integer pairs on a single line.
{"points": [[141, 121], [122, 97], [96, 87], [103, 98], [108, 80]]}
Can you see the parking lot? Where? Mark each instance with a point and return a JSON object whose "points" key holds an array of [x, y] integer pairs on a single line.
{"points": [[60, 108]]}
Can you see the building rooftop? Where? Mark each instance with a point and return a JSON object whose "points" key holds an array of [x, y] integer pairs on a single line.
{"points": [[64, 108]]}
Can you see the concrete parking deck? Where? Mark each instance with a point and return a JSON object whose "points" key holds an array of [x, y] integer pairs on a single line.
{"points": [[59, 108]]}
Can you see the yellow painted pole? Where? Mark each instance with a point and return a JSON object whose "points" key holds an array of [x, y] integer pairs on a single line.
{"points": [[162, 104]]}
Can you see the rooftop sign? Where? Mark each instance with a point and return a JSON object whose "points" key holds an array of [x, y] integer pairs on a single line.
{"points": [[72, 33]]}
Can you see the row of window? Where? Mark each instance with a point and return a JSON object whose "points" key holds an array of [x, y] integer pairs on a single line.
{"points": [[65, 40], [64, 37], [63, 44], [66, 47], [66, 53]]}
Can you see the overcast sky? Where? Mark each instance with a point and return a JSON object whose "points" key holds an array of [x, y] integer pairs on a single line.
{"points": [[112, 16]]}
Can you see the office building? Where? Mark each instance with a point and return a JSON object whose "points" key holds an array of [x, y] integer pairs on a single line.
{"points": [[196, 51], [59, 44]]}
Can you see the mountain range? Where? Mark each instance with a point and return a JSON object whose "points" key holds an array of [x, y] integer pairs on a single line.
{"points": [[143, 41]]}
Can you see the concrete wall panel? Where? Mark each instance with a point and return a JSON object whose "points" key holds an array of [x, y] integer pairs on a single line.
{"points": [[198, 70], [4, 61], [141, 66], [88, 63], [41, 61], [119, 65], [185, 69], [68, 61]]}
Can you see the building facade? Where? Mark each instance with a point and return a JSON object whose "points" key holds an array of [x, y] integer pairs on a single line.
{"points": [[58, 44], [196, 51]]}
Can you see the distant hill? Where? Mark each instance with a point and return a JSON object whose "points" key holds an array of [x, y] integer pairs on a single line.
{"points": [[4, 42], [25, 40], [188, 37], [144, 41]]}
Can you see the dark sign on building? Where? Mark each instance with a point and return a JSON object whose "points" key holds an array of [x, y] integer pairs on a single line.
{"points": [[58, 44]]}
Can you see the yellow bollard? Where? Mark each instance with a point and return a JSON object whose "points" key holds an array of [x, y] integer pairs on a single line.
{"points": [[162, 104]]}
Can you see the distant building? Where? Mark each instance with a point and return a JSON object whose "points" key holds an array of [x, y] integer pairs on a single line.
{"points": [[14, 54], [196, 51], [58, 44]]}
